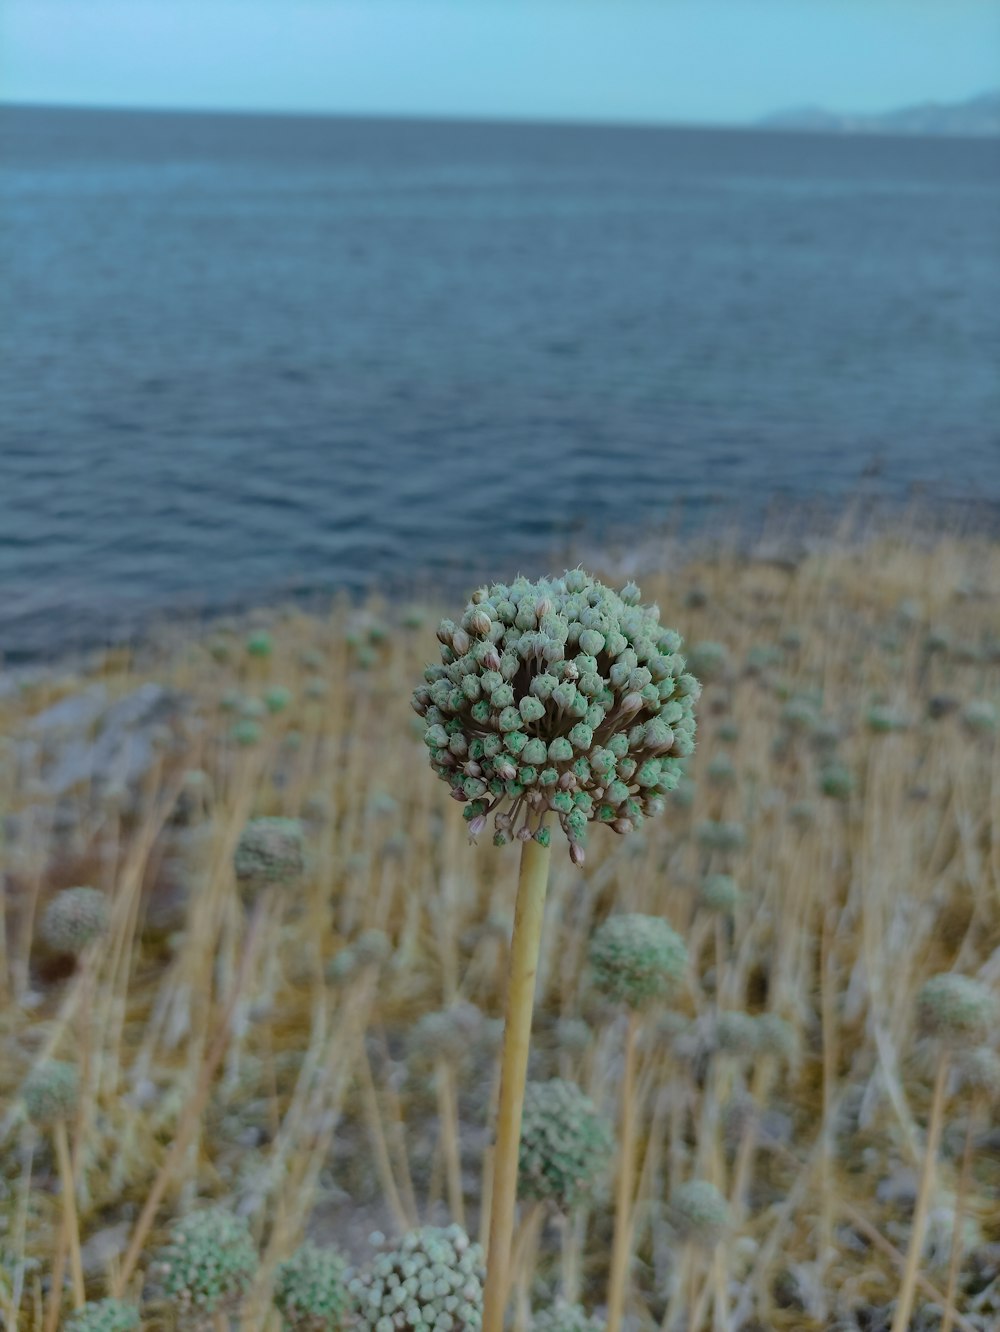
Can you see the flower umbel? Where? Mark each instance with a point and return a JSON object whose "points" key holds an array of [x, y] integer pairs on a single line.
{"points": [[561, 696]]}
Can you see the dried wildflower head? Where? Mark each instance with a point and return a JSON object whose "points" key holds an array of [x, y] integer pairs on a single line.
{"points": [[637, 959], [979, 1073], [775, 1036], [718, 892], [50, 1091], [836, 781], [574, 1035], [708, 660], [736, 1034], [447, 1034], [980, 716], [558, 697], [310, 1290], [74, 918], [957, 1008], [565, 1144], [565, 1317], [104, 1316], [698, 1212], [432, 1279], [270, 851], [207, 1265]]}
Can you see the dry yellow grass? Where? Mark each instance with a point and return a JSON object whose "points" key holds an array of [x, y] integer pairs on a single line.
{"points": [[311, 1121]]}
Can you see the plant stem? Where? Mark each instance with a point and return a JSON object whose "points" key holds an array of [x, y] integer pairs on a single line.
{"points": [[524, 950], [448, 1119], [955, 1257], [623, 1192], [69, 1211], [904, 1304]]}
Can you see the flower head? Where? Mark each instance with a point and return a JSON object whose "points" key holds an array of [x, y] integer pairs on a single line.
{"points": [[637, 959], [957, 1008], [208, 1265], [73, 918], [565, 1317], [565, 1143], [698, 1212], [270, 851], [558, 697], [50, 1091], [104, 1316], [310, 1290], [432, 1279]]}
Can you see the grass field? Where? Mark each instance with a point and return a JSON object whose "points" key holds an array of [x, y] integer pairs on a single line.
{"points": [[847, 777]]}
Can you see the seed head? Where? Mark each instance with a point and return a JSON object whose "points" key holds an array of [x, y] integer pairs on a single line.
{"points": [[836, 781], [637, 959], [709, 660], [736, 1034], [980, 716], [50, 1091], [270, 851], [565, 1144], [431, 1280], [957, 1009], [979, 1073], [446, 1034], [310, 1290], [574, 1035], [567, 698], [565, 1317], [719, 893], [698, 1212], [207, 1266], [104, 1316], [775, 1036], [74, 918]]}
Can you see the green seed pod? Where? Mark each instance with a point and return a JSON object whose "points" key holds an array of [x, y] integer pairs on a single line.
{"points": [[50, 1092], [836, 781], [277, 698], [207, 1266], [431, 1280], [565, 1144], [698, 1213], [245, 733], [958, 1009], [104, 1316], [593, 679], [74, 918], [636, 959], [310, 1290]]}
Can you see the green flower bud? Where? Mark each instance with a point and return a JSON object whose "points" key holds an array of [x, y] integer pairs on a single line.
{"points": [[637, 959], [565, 1144]]}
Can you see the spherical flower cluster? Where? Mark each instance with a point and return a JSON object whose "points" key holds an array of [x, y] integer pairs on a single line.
{"points": [[775, 1036], [50, 1091], [432, 1281], [736, 1034], [565, 1144], [270, 851], [208, 1265], [724, 835], [719, 892], [708, 660], [565, 1317], [957, 1008], [698, 1212], [560, 696], [104, 1316], [74, 918], [636, 959], [310, 1290], [446, 1034]]}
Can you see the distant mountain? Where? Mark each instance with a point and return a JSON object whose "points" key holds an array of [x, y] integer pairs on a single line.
{"points": [[980, 116]]}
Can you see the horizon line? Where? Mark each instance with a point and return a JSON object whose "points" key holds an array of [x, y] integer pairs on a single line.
{"points": [[759, 125]]}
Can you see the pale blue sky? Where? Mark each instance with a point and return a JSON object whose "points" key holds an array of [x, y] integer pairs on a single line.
{"points": [[708, 61]]}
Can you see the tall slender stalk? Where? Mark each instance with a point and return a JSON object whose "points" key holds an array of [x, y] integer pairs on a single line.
{"points": [[624, 1188], [524, 951], [904, 1303]]}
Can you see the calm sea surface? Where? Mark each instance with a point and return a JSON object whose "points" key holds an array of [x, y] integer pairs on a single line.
{"points": [[246, 355]]}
